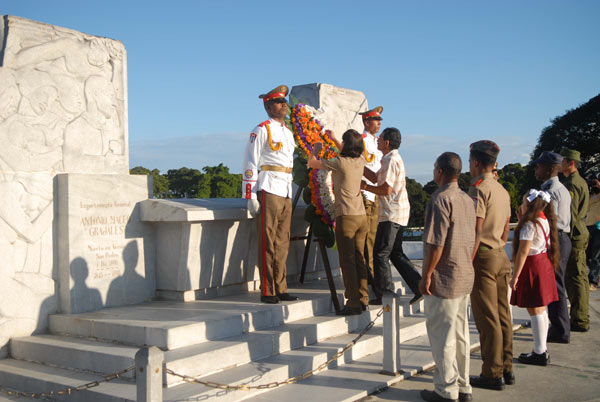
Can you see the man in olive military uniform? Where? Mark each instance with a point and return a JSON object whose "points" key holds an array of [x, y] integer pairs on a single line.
{"points": [[489, 298], [267, 185], [372, 156], [576, 278]]}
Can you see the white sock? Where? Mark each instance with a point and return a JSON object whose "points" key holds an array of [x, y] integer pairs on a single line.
{"points": [[547, 319], [539, 329]]}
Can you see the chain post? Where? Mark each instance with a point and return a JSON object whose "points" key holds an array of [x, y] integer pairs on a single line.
{"points": [[149, 374], [391, 334]]}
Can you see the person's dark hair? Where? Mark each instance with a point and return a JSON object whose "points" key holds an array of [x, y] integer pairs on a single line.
{"points": [[392, 134], [450, 164], [353, 144], [484, 159], [531, 214]]}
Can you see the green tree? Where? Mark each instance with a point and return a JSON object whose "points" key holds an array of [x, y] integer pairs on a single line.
{"points": [[578, 129], [418, 199], [222, 183], [160, 183], [512, 177], [183, 182]]}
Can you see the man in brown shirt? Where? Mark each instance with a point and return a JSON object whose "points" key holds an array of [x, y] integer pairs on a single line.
{"points": [[449, 238], [489, 298]]}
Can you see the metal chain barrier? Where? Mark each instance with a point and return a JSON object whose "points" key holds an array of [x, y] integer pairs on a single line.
{"points": [[68, 390], [291, 380]]}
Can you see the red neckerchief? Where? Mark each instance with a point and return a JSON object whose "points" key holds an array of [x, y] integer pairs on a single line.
{"points": [[542, 215]]}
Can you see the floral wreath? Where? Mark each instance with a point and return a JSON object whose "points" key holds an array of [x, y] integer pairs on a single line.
{"points": [[308, 131]]}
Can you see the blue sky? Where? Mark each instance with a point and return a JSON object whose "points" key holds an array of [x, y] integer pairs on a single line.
{"points": [[447, 72]]}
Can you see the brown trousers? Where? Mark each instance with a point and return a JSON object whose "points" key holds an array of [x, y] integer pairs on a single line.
{"points": [[489, 301], [274, 223], [371, 211], [350, 233]]}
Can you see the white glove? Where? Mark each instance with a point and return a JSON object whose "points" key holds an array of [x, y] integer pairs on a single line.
{"points": [[253, 207]]}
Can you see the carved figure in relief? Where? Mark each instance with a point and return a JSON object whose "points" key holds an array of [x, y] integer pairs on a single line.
{"points": [[94, 138], [25, 215], [56, 126]]}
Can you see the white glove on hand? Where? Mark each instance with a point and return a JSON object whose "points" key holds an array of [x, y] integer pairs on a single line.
{"points": [[253, 207]]}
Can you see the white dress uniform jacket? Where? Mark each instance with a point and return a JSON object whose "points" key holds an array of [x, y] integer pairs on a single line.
{"points": [[370, 142], [259, 153]]}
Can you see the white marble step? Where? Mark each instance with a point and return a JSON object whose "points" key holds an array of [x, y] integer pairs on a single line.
{"points": [[293, 363], [33, 377], [358, 378], [170, 325], [201, 359]]}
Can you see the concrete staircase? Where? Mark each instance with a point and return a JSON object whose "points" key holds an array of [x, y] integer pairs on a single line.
{"points": [[229, 340]]}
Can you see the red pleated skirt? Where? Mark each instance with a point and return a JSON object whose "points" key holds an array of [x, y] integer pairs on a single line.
{"points": [[536, 286]]}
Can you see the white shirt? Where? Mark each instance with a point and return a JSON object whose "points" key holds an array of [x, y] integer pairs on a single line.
{"points": [[370, 143], [259, 152], [531, 231], [394, 207]]}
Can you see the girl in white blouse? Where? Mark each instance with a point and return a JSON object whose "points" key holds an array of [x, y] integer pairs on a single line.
{"points": [[535, 257]]}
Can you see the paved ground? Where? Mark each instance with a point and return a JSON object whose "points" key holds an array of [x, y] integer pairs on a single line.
{"points": [[573, 373]]}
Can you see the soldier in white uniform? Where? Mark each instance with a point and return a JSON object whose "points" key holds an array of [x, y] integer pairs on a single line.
{"points": [[267, 185], [372, 156]]}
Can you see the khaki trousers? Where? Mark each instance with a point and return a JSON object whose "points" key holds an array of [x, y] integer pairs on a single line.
{"points": [[372, 221], [274, 223], [350, 233], [489, 301], [448, 332], [578, 285]]}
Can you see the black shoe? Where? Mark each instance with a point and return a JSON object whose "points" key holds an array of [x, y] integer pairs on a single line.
{"points": [[464, 397], [364, 307], [579, 328], [556, 339], [509, 378], [482, 381], [349, 311], [415, 299], [375, 302], [535, 359], [286, 297], [269, 299], [432, 396]]}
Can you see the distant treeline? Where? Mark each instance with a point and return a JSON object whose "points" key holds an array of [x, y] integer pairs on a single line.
{"points": [[210, 182]]}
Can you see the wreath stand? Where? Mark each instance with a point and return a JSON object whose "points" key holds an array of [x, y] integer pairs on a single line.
{"points": [[322, 248]]}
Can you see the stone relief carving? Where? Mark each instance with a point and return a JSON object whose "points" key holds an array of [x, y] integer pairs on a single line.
{"points": [[63, 108], [62, 101]]}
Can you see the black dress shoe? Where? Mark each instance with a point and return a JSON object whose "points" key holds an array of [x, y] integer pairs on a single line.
{"points": [[269, 299], [509, 378], [375, 302], [432, 396], [286, 297], [556, 339], [415, 299], [579, 328], [349, 311], [535, 359], [482, 381], [465, 397]]}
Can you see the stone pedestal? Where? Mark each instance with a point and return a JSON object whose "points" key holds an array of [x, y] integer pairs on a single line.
{"points": [[105, 253]]}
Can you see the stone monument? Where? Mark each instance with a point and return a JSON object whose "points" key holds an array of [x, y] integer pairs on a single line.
{"points": [[63, 161]]}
